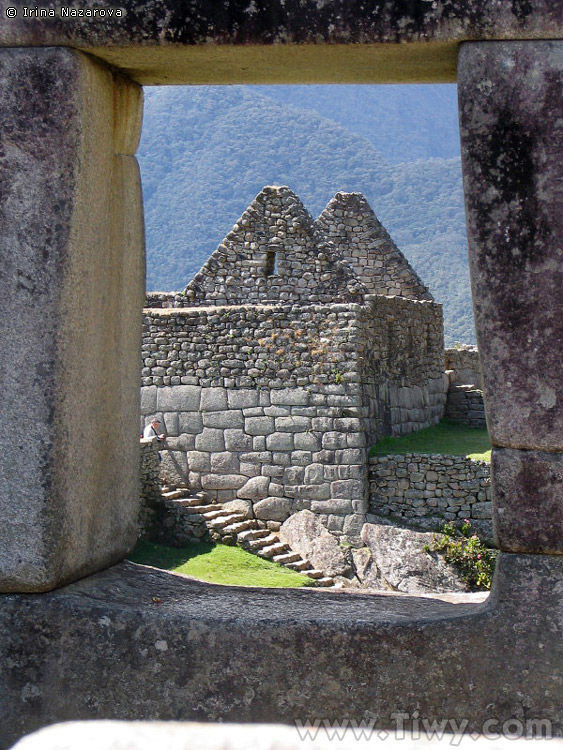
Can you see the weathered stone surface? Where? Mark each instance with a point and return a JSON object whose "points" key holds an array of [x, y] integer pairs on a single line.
{"points": [[399, 562], [279, 441], [231, 419], [174, 467], [511, 118], [148, 399], [71, 286], [259, 425], [306, 535], [256, 488], [179, 398], [272, 508], [286, 42], [355, 651], [225, 463], [222, 481], [528, 501], [210, 439], [213, 399], [243, 399], [236, 440]]}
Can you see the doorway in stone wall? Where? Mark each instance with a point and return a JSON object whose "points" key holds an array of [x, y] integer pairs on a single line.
{"points": [[206, 152]]}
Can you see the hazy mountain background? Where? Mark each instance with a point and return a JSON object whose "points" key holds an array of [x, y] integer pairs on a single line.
{"points": [[207, 151]]}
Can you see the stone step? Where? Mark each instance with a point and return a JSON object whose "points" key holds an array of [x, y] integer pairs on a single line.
{"points": [[201, 509], [312, 573], [236, 528], [299, 565], [173, 494], [251, 534], [287, 557], [221, 522], [190, 501], [324, 581], [212, 513], [256, 544], [273, 549]]}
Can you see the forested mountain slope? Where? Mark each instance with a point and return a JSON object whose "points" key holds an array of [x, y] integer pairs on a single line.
{"points": [[207, 151]]}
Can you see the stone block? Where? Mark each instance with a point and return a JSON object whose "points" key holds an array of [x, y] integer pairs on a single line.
{"points": [[512, 173], [307, 441], [71, 288], [280, 441], [259, 425], [174, 467], [348, 488], [199, 461], [171, 424], [315, 474], [482, 511], [255, 488], [293, 424], [222, 481], [272, 509], [243, 399], [190, 422], [334, 441], [528, 504], [214, 399], [225, 463], [231, 419], [237, 440], [290, 397], [178, 398], [312, 491], [301, 458], [337, 505], [306, 535], [148, 399], [294, 475], [182, 443], [210, 440], [239, 506]]}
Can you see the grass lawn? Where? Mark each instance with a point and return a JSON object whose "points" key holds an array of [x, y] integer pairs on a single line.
{"points": [[218, 563], [447, 438]]}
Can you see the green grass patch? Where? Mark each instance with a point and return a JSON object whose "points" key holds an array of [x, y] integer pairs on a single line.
{"points": [[447, 438], [218, 563]]}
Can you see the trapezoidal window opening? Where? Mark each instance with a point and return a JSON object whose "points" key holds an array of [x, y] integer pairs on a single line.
{"points": [[270, 389]]}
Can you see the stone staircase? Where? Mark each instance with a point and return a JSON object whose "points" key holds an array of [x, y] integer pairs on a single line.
{"points": [[234, 528]]}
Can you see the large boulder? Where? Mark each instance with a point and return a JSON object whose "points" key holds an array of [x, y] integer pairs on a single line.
{"points": [[397, 561], [305, 534]]}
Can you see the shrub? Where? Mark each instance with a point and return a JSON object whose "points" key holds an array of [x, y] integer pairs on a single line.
{"points": [[466, 552]]}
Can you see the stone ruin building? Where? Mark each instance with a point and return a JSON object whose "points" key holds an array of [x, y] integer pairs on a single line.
{"points": [[86, 635], [297, 345]]}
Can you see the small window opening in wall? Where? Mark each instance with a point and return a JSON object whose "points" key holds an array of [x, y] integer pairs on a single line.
{"points": [[271, 263]]}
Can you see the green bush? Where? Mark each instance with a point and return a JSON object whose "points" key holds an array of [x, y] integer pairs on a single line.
{"points": [[466, 552]]}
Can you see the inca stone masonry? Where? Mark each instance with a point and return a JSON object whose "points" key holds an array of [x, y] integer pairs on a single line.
{"points": [[84, 634], [297, 345]]}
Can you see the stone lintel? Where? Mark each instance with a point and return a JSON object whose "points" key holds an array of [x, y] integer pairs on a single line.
{"points": [[281, 41], [511, 118]]}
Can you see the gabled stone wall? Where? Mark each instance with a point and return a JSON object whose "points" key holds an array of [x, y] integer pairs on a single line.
{"points": [[349, 222], [274, 253]]}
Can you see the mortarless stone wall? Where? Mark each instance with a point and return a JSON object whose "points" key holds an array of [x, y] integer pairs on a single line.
{"points": [[420, 487], [350, 223], [269, 407]]}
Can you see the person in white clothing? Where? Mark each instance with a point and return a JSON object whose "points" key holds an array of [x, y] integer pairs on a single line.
{"points": [[151, 430]]}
